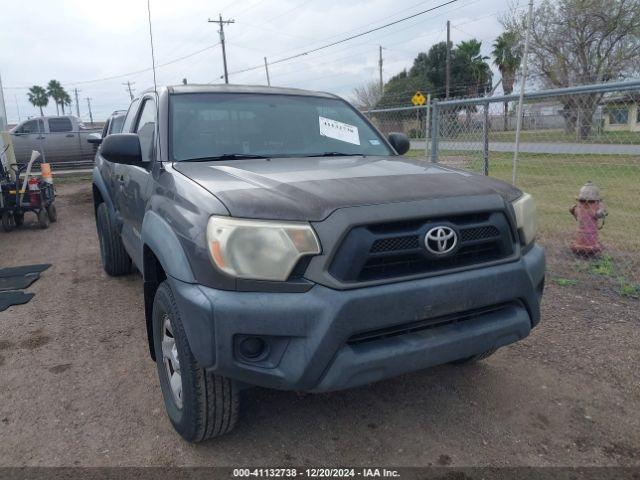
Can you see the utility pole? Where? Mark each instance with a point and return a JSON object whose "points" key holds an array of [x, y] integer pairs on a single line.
{"points": [[222, 22], [15, 97], [380, 67], [90, 114], [523, 80], [129, 85], [266, 69], [75, 91], [448, 66]]}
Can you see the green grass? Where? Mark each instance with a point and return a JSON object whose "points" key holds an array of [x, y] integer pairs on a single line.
{"points": [[565, 282], [622, 137], [554, 181]]}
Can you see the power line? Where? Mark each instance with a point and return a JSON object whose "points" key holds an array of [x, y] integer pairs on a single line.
{"points": [[123, 75], [351, 37]]}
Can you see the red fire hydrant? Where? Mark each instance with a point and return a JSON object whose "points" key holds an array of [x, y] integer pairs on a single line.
{"points": [[588, 211]]}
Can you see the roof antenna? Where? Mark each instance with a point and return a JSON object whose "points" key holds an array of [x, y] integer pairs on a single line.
{"points": [[153, 58]]}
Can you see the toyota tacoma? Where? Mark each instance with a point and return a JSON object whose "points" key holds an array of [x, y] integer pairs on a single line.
{"points": [[285, 243]]}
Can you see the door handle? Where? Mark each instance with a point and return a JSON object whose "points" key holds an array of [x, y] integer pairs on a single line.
{"points": [[41, 138], [70, 135]]}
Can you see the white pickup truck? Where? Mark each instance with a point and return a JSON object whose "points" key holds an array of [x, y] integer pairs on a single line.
{"points": [[59, 139]]}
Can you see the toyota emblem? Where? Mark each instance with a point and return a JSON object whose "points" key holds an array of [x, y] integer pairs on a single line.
{"points": [[440, 240]]}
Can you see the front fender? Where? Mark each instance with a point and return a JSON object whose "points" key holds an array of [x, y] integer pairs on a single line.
{"points": [[99, 183], [158, 235]]}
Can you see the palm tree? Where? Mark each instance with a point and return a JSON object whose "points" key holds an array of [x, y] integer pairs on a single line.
{"points": [[475, 62], [507, 55], [38, 97], [65, 100], [56, 91]]}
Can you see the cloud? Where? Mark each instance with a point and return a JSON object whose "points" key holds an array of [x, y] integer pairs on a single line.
{"points": [[76, 41]]}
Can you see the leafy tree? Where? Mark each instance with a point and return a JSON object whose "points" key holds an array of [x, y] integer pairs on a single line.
{"points": [[575, 42], [367, 96], [38, 97], [507, 55], [470, 74]]}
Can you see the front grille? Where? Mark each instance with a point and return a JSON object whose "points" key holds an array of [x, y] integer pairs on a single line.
{"points": [[421, 325], [396, 249]]}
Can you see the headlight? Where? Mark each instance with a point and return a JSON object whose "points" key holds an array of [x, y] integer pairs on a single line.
{"points": [[259, 249], [526, 218]]}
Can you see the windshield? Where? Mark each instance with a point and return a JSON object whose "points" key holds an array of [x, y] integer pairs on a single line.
{"points": [[237, 125]]}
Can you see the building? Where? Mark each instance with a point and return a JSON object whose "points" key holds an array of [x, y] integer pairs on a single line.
{"points": [[621, 114]]}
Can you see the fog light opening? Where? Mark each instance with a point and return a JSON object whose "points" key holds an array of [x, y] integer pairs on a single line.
{"points": [[253, 348]]}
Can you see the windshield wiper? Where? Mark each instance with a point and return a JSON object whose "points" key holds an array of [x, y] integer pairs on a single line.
{"points": [[335, 154], [225, 156]]}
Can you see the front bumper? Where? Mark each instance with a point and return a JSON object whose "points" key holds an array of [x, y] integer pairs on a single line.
{"points": [[312, 336]]}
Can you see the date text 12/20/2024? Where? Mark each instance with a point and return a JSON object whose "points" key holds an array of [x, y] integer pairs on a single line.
{"points": [[315, 472]]}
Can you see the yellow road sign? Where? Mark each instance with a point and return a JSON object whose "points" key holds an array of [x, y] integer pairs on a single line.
{"points": [[418, 98]]}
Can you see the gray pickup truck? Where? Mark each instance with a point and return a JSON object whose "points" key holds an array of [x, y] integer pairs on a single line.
{"points": [[285, 243], [59, 139]]}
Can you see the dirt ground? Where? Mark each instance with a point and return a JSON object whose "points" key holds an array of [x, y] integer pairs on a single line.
{"points": [[77, 386]]}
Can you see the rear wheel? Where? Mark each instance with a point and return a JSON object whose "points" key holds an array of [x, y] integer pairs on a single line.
{"points": [[8, 222], [475, 358], [115, 259], [43, 219], [200, 405]]}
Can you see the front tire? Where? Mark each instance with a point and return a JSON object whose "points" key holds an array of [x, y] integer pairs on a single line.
{"points": [[53, 213], [43, 219], [115, 259], [200, 405]]}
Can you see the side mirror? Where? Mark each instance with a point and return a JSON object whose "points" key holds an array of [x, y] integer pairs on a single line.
{"points": [[94, 138], [399, 142], [122, 148]]}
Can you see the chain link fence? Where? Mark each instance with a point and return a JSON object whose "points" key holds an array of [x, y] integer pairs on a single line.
{"points": [[569, 137]]}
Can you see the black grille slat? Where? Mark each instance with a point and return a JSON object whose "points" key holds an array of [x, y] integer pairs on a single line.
{"points": [[408, 242], [478, 233], [420, 325], [395, 250]]}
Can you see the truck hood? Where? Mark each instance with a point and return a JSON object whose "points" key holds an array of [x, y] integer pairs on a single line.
{"points": [[312, 188]]}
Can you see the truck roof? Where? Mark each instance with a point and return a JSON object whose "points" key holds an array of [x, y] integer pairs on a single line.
{"points": [[224, 88]]}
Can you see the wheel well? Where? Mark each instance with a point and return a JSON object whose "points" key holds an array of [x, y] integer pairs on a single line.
{"points": [[154, 275], [97, 197]]}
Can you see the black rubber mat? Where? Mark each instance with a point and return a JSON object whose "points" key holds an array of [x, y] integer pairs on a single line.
{"points": [[16, 271], [8, 299], [19, 282]]}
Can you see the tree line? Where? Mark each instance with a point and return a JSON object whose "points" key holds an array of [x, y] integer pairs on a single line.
{"points": [[39, 96], [572, 42]]}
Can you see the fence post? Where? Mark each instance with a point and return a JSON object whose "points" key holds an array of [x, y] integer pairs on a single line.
{"points": [[435, 131], [427, 119], [485, 136]]}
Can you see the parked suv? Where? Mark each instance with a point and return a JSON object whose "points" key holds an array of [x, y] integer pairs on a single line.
{"points": [[285, 243]]}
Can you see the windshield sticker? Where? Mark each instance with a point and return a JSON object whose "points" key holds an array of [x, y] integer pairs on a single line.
{"points": [[374, 142], [339, 131]]}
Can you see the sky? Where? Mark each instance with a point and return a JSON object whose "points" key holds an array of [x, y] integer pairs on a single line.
{"points": [[97, 46]]}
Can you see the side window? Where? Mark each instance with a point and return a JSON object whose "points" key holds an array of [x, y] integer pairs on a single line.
{"points": [[105, 129], [131, 115], [146, 129], [57, 125], [31, 127]]}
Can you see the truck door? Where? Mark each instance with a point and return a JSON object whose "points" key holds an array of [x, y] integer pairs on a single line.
{"points": [[63, 143], [136, 184], [27, 137]]}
